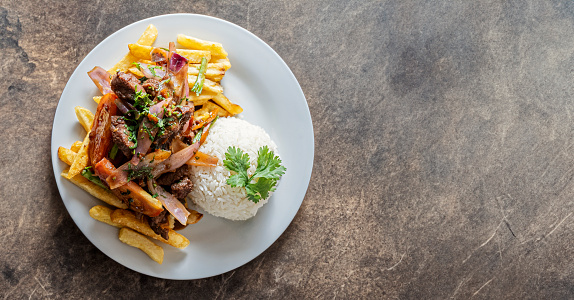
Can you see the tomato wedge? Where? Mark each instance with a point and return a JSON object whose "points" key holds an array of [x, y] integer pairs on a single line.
{"points": [[101, 134]]}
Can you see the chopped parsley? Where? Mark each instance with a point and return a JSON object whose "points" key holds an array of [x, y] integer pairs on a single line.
{"points": [[138, 172]]}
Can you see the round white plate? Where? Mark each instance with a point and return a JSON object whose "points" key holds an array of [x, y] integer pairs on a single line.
{"points": [[259, 81]]}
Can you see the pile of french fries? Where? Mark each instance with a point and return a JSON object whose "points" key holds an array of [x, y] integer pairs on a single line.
{"points": [[134, 231]]}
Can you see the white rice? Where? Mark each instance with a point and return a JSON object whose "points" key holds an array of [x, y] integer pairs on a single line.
{"points": [[210, 189]]}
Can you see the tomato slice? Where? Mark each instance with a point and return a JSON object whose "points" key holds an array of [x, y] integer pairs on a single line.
{"points": [[101, 134]]}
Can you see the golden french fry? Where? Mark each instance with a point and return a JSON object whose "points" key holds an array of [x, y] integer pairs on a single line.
{"points": [[102, 214], [94, 190], [127, 218], [233, 109], [223, 62], [134, 239], [210, 106], [97, 99], [171, 221], [147, 39], [213, 72], [66, 155], [81, 159], [193, 217], [193, 56], [85, 117], [216, 49], [208, 85], [76, 146], [201, 99], [136, 72], [148, 36]]}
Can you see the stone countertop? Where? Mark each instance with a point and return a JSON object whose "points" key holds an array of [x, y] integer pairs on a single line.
{"points": [[442, 151]]}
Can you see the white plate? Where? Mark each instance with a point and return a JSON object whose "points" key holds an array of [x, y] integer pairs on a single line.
{"points": [[259, 81]]}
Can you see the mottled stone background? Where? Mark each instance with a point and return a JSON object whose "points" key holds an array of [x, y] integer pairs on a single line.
{"points": [[443, 164]]}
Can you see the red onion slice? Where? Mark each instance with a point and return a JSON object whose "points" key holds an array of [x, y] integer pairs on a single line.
{"points": [[102, 79], [172, 204], [175, 161]]}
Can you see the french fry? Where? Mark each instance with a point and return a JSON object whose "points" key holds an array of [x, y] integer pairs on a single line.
{"points": [[233, 109], [97, 99], [193, 217], [66, 155], [85, 117], [127, 218], [216, 49], [148, 36], [211, 106], [223, 62], [208, 85], [102, 214], [76, 146], [213, 72], [146, 39], [136, 72], [193, 56], [201, 99], [81, 159], [94, 190], [134, 239]]}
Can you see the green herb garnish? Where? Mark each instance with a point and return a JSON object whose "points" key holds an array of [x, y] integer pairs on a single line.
{"points": [[138, 172], [263, 181], [86, 172], [198, 86], [113, 151]]}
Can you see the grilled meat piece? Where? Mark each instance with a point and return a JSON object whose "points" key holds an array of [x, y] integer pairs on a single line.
{"points": [[121, 136], [181, 188], [125, 86], [159, 224]]}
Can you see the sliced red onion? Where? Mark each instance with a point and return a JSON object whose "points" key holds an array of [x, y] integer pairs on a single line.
{"points": [[176, 62], [175, 161], [159, 55], [120, 175], [158, 72], [102, 79], [172, 204], [144, 140]]}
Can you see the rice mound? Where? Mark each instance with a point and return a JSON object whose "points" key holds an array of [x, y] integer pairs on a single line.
{"points": [[210, 189]]}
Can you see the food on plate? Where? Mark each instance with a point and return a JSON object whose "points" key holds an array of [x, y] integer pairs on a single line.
{"points": [[156, 136], [252, 150], [139, 241]]}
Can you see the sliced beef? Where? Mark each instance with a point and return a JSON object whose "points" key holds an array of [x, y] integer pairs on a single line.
{"points": [[121, 136], [160, 224], [125, 85], [175, 119], [181, 188], [151, 86], [172, 177]]}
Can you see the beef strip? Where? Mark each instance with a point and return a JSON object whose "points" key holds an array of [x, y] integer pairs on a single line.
{"points": [[156, 224], [172, 177], [120, 136], [174, 124], [151, 87], [181, 188], [125, 85]]}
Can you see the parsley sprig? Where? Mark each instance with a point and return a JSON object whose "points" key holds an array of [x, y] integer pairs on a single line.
{"points": [[269, 171]]}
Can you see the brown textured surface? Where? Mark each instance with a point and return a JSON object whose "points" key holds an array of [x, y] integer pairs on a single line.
{"points": [[443, 164]]}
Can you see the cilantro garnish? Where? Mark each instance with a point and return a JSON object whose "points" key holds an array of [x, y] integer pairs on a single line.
{"points": [[263, 181]]}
